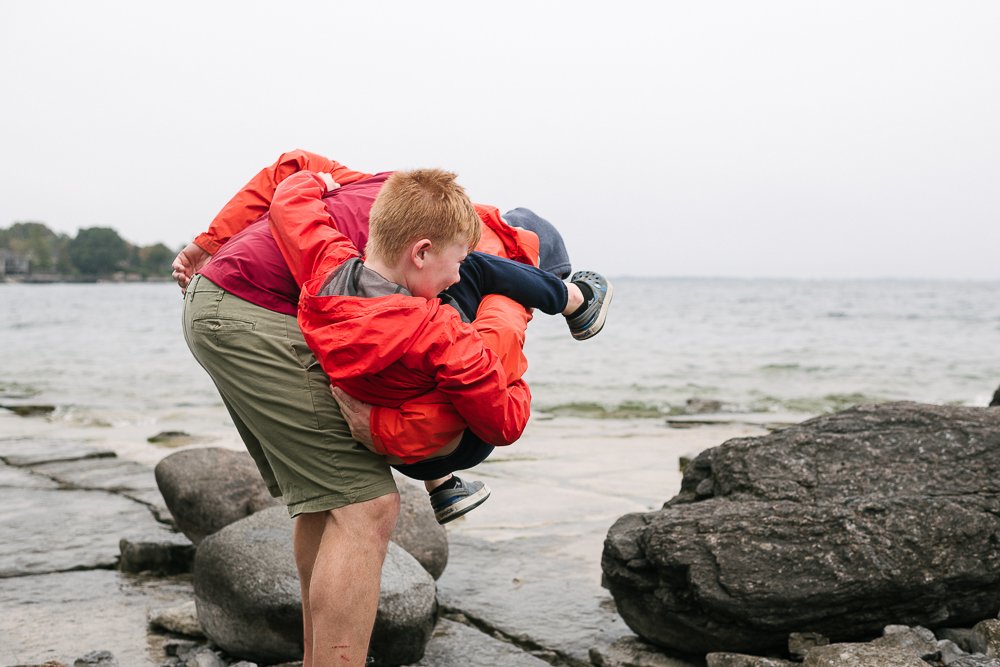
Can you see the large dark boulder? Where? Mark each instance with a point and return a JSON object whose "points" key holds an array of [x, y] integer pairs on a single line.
{"points": [[208, 488], [841, 525]]}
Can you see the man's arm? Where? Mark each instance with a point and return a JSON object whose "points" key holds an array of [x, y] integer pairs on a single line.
{"points": [[412, 432], [303, 228], [254, 199], [249, 204]]}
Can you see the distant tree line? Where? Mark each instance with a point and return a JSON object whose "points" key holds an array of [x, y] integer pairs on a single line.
{"points": [[32, 249]]}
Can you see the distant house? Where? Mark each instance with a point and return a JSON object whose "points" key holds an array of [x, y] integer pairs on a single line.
{"points": [[14, 263]]}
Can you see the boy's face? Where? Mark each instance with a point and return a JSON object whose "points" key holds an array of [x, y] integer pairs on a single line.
{"points": [[439, 270]]}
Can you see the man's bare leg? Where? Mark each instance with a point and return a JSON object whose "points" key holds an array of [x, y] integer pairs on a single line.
{"points": [[343, 577], [306, 534]]}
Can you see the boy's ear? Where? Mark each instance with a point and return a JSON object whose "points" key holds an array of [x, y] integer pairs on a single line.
{"points": [[418, 252]]}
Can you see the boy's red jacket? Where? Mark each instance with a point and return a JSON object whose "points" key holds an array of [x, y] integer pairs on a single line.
{"points": [[396, 350]]}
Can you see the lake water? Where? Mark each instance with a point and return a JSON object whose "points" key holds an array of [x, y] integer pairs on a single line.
{"points": [[113, 354]]}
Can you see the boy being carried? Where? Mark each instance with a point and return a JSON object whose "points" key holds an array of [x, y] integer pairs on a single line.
{"points": [[383, 335]]}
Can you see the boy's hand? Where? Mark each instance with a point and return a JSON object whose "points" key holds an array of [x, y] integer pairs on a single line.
{"points": [[187, 263], [358, 415]]}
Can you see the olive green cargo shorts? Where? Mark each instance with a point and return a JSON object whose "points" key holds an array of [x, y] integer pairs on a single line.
{"points": [[279, 399]]}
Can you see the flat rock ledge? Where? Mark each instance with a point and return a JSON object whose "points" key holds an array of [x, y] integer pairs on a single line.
{"points": [[840, 526]]}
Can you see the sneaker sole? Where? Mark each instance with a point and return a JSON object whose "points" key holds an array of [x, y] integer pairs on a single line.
{"points": [[598, 324], [463, 506]]}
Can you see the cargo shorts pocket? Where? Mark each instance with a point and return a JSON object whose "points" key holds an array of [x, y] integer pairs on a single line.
{"points": [[221, 325]]}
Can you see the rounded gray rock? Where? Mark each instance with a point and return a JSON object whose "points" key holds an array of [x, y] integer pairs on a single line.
{"points": [[209, 488], [417, 531], [249, 601]]}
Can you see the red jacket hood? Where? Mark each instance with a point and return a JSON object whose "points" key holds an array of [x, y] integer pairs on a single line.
{"points": [[362, 335]]}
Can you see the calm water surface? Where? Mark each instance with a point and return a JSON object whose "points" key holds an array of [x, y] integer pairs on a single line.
{"points": [[114, 353]]}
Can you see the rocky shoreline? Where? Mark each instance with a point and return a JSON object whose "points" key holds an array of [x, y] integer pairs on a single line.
{"points": [[521, 588], [94, 573]]}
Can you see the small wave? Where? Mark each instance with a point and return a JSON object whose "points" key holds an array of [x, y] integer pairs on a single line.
{"points": [[591, 410], [812, 405], [780, 367], [18, 391]]}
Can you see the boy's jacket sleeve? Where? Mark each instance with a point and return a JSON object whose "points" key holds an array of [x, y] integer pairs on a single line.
{"points": [[416, 429], [301, 226], [419, 428], [472, 378], [253, 200]]}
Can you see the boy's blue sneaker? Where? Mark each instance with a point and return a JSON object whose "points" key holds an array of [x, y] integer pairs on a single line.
{"points": [[458, 499], [587, 324]]}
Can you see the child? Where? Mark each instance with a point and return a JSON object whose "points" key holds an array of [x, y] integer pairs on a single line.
{"points": [[382, 334]]}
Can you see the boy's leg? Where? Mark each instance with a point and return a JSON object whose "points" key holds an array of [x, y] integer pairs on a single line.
{"points": [[452, 497], [552, 254], [483, 274]]}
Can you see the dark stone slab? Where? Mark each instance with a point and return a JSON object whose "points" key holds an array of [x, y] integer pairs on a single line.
{"points": [[163, 553], [29, 451], [30, 410], [531, 590], [64, 616], [48, 530]]}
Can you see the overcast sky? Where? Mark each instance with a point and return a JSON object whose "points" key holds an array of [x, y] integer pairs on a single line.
{"points": [[784, 138]]}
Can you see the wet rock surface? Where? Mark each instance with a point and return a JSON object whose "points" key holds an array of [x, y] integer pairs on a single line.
{"points": [[40, 515], [531, 592], [840, 525], [66, 615], [456, 643], [29, 451]]}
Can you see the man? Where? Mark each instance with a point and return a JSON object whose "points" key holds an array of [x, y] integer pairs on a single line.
{"points": [[240, 323]]}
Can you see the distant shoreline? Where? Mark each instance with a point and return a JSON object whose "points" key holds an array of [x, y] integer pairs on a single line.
{"points": [[47, 279]]}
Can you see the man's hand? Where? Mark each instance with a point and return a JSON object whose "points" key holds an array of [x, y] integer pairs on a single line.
{"points": [[331, 184], [187, 263], [358, 415]]}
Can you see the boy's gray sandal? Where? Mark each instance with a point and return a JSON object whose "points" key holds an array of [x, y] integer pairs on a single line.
{"points": [[590, 322]]}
